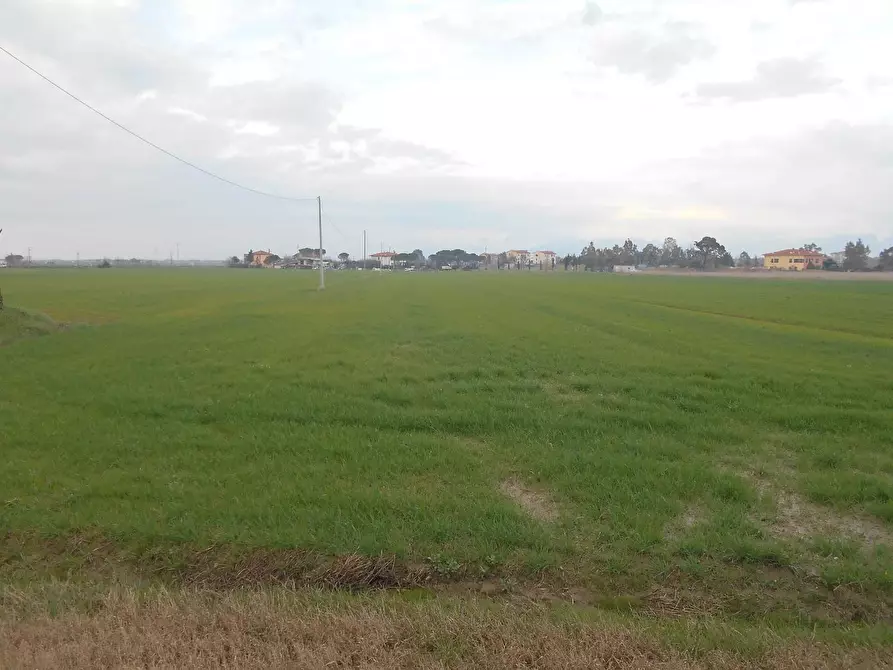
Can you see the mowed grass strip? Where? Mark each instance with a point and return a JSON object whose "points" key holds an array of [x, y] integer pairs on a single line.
{"points": [[384, 417]]}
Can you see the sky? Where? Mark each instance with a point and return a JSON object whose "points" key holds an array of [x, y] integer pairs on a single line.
{"points": [[475, 124]]}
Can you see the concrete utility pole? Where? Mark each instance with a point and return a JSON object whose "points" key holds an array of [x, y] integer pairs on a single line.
{"points": [[322, 267], [364, 249]]}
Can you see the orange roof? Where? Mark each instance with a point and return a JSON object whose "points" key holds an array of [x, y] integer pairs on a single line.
{"points": [[794, 252], [384, 254], [551, 253]]}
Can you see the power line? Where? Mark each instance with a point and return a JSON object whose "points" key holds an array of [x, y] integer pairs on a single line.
{"points": [[149, 142], [328, 218]]}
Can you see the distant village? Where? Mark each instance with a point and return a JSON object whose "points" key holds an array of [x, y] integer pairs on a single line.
{"points": [[705, 254]]}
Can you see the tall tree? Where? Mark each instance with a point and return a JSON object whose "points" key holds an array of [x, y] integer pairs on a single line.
{"points": [[670, 254], [344, 257], [886, 260], [744, 260], [628, 253], [855, 255], [710, 250], [651, 255], [812, 246]]}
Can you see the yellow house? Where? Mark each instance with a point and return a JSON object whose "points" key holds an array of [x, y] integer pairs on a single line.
{"points": [[793, 259]]}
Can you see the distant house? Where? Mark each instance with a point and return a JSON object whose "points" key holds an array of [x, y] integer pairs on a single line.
{"points": [[544, 258], [302, 261], [793, 259], [624, 269], [258, 258], [385, 258], [521, 256]]}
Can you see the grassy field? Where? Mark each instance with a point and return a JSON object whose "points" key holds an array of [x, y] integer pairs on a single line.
{"points": [[665, 445]]}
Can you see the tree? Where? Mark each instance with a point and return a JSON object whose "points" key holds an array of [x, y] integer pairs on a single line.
{"points": [[105, 263], [855, 256], [14, 259], [671, 254], [744, 260], [812, 246], [307, 251], [344, 257], [651, 255], [272, 258], [233, 261], [830, 264], [710, 250], [886, 260], [628, 253], [249, 257]]}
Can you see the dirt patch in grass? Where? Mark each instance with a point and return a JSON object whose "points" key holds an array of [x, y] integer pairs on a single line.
{"points": [[691, 517], [536, 503], [277, 629], [800, 519]]}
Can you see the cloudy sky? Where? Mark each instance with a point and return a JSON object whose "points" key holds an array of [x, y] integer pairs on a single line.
{"points": [[445, 123]]}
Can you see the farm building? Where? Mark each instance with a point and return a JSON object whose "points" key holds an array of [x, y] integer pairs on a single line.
{"points": [[793, 259]]}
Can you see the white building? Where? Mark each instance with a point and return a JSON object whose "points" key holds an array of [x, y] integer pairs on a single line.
{"points": [[625, 269], [385, 258]]}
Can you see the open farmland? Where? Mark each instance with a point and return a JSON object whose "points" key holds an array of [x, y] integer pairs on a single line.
{"points": [[659, 450]]}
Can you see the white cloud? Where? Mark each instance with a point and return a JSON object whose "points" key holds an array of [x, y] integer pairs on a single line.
{"points": [[188, 113], [540, 122], [260, 128]]}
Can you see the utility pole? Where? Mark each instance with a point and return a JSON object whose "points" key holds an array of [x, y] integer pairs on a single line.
{"points": [[178, 253], [364, 249], [77, 262], [322, 267]]}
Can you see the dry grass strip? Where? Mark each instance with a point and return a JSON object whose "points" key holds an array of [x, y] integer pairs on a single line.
{"points": [[270, 629]]}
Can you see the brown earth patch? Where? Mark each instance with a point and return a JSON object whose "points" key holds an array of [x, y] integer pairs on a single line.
{"points": [[691, 517], [800, 519], [536, 503]]}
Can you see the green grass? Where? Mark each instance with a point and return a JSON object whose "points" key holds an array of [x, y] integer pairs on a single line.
{"points": [[16, 324], [669, 421]]}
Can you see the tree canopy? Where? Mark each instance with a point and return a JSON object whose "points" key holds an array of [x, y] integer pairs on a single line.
{"points": [[855, 255]]}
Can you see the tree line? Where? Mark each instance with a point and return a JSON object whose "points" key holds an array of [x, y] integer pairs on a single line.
{"points": [[705, 254]]}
